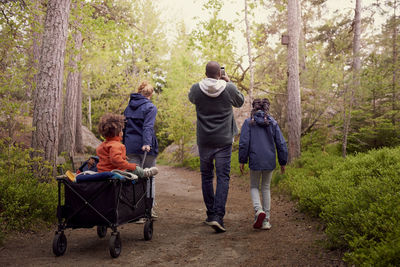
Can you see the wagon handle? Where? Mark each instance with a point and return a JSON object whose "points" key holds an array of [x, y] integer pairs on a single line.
{"points": [[144, 158]]}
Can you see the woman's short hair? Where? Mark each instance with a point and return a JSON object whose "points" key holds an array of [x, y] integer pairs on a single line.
{"points": [[111, 125], [145, 89]]}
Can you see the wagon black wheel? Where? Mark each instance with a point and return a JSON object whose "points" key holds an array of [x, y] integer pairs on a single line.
{"points": [[59, 243], [148, 230], [101, 231], [115, 245]]}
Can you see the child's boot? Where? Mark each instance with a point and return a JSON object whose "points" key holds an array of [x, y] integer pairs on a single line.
{"points": [[149, 172]]}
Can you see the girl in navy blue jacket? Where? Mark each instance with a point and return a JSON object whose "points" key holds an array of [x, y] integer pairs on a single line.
{"points": [[260, 137]]}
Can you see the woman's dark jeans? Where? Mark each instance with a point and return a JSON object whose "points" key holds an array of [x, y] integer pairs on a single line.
{"points": [[215, 203]]}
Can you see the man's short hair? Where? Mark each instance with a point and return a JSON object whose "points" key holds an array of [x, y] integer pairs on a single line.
{"points": [[213, 69]]}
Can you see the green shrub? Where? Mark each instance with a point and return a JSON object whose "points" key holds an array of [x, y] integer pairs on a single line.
{"points": [[358, 200], [192, 163], [26, 202], [382, 133]]}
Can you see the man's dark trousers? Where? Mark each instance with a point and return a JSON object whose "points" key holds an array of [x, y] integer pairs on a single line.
{"points": [[215, 203]]}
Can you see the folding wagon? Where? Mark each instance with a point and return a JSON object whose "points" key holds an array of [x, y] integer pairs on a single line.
{"points": [[105, 204]]}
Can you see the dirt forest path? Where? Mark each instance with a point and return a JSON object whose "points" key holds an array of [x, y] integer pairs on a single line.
{"points": [[181, 239]]}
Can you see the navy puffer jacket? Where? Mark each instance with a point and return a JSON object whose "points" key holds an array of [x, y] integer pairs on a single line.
{"points": [[140, 115], [258, 142]]}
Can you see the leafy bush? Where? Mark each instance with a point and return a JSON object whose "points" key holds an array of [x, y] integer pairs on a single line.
{"points": [[25, 201], [192, 163], [382, 133], [357, 198]]}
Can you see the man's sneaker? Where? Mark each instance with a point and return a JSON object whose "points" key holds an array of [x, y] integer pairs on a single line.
{"points": [[259, 218], [266, 225], [217, 226], [149, 172], [207, 221], [141, 221]]}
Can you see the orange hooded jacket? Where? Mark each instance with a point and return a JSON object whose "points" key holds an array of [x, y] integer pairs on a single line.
{"points": [[112, 156]]}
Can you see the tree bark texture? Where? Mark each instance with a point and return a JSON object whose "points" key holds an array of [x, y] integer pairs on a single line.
{"points": [[50, 79], [71, 99], [89, 108], [78, 136], [251, 67], [36, 38], [356, 75], [294, 107]]}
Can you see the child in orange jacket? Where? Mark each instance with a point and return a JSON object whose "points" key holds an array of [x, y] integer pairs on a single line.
{"points": [[112, 153]]}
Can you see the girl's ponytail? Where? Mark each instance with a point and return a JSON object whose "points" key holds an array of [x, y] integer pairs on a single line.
{"points": [[263, 105]]}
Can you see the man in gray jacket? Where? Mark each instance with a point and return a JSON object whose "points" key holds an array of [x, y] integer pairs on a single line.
{"points": [[214, 97]]}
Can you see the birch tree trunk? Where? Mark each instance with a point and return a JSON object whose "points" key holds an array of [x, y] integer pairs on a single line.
{"points": [[251, 68], [356, 75], [294, 107], [50, 79]]}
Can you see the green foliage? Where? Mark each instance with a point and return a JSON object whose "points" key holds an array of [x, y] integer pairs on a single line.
{"points": [[192, 163], [12, 112], [176, 113], [316, 140], [357, 198], [235, 170], [381, 133], [16, 70], [25, 201], [126, 45], [212, 37]]}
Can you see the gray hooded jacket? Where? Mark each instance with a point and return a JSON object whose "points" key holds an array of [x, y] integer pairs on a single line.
{"points": [[214, 99]]}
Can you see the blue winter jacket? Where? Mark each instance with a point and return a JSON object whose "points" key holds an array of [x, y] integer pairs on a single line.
{"points": [[259, 141], [140, 115]]}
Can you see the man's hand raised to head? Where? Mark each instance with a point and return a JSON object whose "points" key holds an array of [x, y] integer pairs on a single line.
{"points": [[225, 78]]}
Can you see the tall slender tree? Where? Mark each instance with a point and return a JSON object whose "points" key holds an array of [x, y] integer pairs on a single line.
{"points": [[249, 54], [395, 62], [79, 146], [50, 79], [356, 75], [293, 88]]}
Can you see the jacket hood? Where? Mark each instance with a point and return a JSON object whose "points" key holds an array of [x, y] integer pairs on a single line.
{"points": [[212, 87], [136, 100], [259, 118]]}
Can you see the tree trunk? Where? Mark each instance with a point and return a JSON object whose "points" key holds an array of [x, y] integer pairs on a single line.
{"points": [[71, 100], [294, 107], [251, 68], [36, 37], [79, 148], [89, 108], [356, 75], [394, 62], [302, 42], [50, 79]]}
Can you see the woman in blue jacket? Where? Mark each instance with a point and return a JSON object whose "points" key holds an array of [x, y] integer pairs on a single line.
{"points": [[259, 138], [139, 134]]}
